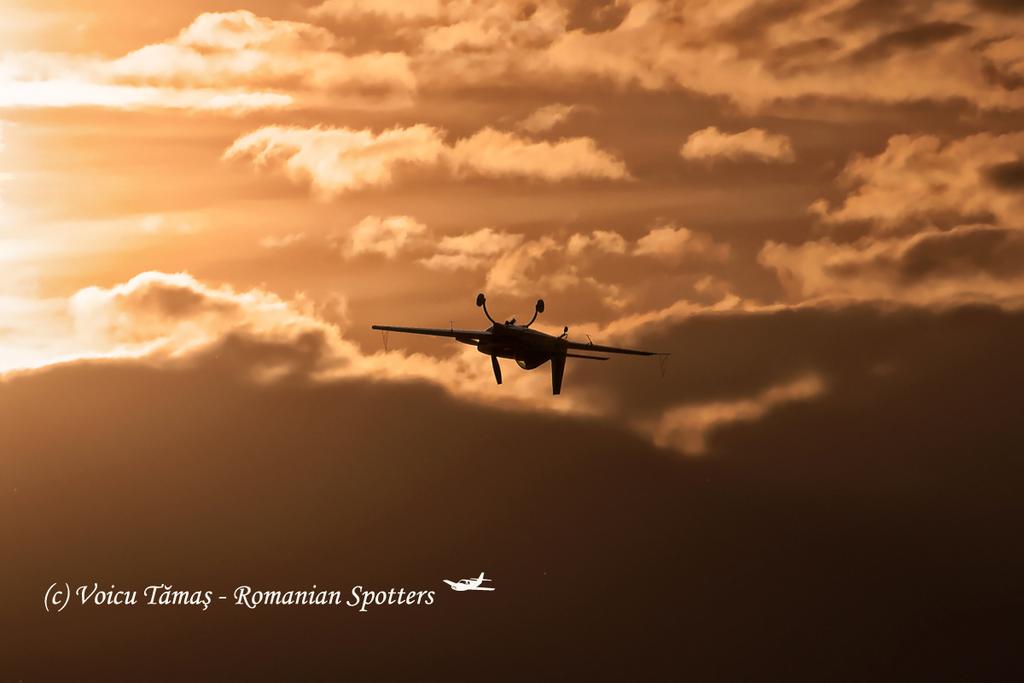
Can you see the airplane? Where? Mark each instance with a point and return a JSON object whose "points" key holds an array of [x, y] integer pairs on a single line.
{"points": [[469, 584], [528, 348]]}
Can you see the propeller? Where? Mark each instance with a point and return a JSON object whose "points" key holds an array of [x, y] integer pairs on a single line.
{"points": [[497, 368]]}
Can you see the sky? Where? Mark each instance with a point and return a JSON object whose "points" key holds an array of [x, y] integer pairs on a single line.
{"points": [[814, 207]]}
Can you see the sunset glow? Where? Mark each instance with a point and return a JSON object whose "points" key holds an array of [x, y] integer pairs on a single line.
{"points": [[812, 211]]}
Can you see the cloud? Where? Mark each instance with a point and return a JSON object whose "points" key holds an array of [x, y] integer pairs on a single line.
{"points": [[1003, 62], [514, 265], [1007, 6], [496, 153], [545, 118], [801, 514], [754, 143], [672, 243], [942, 226], [527, 267], [488, 28], [966, 263], [386, 236], [172, 319], [471, 251], [168, 316], [241, 29], [243, 49], [392, 9], [543, 266], [1008, 175], [225, 61], [282, 241], [687, 427], [337, 160], [755, 524], [754, 55], [393, 235], [514, 272], [605, 241], [161, 223], [73, 91], [918, 179], [913, 38]]}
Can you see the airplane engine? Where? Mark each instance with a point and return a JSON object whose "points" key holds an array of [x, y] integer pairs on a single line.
{"points": [[531, 362]]}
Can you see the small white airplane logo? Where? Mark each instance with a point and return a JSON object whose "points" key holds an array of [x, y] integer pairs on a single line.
{"points": [[469, 584]]}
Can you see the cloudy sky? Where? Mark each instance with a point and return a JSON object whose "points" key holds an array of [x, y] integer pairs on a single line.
{"points": [[815, 207]]}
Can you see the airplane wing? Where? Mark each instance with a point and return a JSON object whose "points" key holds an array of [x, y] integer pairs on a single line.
{"points": [[578, 346], [436, 331]]}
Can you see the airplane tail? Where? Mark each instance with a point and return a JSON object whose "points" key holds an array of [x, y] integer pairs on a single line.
{"points": [[557, 370]]}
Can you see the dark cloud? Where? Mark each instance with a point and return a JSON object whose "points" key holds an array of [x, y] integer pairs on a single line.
{"points": [[1007, 176], [885, 512], [1004, 6], [594, 15], [963, 252], [730, 356], [998, 252], [805, 54], [1001, 77], [754, 22], [876, 12], [913, 38]]}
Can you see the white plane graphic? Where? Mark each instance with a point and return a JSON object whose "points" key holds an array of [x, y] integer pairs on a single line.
{"points": [[469, 584]]}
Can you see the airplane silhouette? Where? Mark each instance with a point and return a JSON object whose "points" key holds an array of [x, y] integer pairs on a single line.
{"points": [[469, 584], [529, 348]]}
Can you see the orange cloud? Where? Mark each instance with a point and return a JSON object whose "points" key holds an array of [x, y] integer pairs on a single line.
{"points": [[392, 9], [917, 178], [336, 160], [710, 144], [742, 51], [472, 250], [227, 61], [546, 117], [172, 319], [282, 241], [496, 153], [672, 243], [606, 241], [386, 236], [241, 48], [164, 318], [967, 263]]}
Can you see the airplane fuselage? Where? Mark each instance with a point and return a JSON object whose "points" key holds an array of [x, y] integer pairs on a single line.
{"points": [[528, 348]]}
